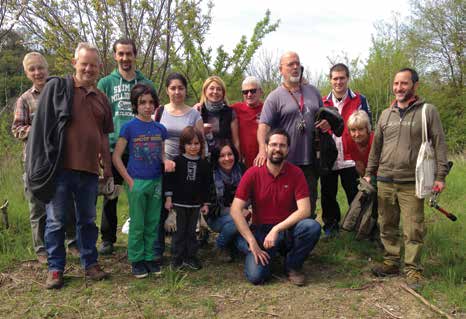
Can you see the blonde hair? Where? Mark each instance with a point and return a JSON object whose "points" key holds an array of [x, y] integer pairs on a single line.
{"points": [[30, 55], [85, 46], [359, 119], [209, 81]]}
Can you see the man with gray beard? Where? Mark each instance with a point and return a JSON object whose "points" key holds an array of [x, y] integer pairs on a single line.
{"points": [[292, 106]]}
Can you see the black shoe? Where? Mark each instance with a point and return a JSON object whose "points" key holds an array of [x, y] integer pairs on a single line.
{"points": [[176, 264], [386, 269], [153, 267], [139, 270], [192, 263], [106, 248]]}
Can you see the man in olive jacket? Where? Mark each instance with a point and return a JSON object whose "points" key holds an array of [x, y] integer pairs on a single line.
{"points": [[397, 139]]}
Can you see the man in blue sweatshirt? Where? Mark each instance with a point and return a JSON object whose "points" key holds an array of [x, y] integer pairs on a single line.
{"points": [[117, 86]]}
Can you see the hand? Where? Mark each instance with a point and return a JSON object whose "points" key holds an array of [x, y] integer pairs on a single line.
{"points": [[438, 186], [168, 203], [323, 125], [271, 238], [197, 106], [367, 178], [169, 166], [170, 222], [260, 158], [246, 212], [259, 255], [204, 209], [130, 184]]}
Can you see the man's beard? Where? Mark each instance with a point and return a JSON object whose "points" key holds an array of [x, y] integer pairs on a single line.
{"points": [[294, 79], [277, 161]]}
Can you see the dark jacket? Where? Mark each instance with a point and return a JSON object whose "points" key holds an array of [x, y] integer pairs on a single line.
{"points": [[362, 213], [325, 149], [46, 140]]}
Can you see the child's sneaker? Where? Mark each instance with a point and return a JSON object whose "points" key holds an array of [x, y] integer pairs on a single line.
{"points": [[192, 263], [139, 269], [153, 267]]}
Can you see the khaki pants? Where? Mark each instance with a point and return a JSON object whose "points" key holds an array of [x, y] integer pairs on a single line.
{"points": [[393, 200]]}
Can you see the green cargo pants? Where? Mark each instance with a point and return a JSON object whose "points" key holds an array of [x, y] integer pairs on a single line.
{"points": [[394, 199], [145, 201]]}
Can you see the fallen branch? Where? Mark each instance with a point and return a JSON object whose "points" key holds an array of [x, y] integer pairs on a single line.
{"points": [[388, 312], [424, 301]]}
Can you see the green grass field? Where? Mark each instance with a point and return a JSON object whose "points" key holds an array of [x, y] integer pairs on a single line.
{"points": [[346, 259]]}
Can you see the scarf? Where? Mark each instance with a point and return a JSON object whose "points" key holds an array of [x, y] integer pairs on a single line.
{"points": [[221, 179], [214, 107]]}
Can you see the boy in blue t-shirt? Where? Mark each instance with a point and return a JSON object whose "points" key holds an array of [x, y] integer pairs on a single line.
{"points": [[143, 177]]}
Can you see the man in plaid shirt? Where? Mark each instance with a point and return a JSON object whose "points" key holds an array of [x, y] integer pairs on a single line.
{"points": [[36, 70]]}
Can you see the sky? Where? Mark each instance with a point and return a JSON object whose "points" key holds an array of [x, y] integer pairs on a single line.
{"points": [[314, 29]]}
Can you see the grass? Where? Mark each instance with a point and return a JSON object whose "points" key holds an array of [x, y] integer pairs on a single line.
{"points": [[340, 264]]}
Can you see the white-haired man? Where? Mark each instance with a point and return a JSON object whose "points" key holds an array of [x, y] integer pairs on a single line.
{"points": [[78, 116], [36, 70], [248, 113]]}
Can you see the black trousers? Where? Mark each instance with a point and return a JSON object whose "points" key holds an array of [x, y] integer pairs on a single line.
{"points": [[109, 221], [184, 241], [329, 187]]}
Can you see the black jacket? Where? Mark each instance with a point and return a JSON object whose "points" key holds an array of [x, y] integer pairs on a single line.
{"points": [[326, 152], [45, 146]]}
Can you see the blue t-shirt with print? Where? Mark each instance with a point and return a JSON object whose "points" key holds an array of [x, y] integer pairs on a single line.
{"points": [[145, 148]]}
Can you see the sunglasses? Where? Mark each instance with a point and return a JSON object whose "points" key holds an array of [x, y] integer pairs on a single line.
{"points": [[245, 92]]}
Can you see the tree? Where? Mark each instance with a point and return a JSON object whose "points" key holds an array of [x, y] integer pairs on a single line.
{"points": [[10, 11], [438, 33]]}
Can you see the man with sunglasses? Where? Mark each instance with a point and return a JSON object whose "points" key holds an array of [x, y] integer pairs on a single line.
{"points": [[248, 114]]}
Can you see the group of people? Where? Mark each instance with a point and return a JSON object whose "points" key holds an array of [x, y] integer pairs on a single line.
{"points": [[247, 170]]}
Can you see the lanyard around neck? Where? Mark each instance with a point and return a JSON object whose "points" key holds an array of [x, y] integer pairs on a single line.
{"points": [[301, 99]]}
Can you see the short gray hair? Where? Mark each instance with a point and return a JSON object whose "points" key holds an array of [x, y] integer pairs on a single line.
{"points": [[86, 46], [359, 119], [252, 80]]}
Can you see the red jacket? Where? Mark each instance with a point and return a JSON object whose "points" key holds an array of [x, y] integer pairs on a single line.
{"points": [[353, 102]]}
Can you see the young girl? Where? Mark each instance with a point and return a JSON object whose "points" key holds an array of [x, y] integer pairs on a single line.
{"points": [[144, 139], [187, 192]]}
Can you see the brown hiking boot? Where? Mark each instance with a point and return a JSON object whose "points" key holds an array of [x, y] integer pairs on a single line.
{"points": [[223, 255], [414, 279], [96, 273], [386, 270], [42, 259], [296, 277], [54, 279]]}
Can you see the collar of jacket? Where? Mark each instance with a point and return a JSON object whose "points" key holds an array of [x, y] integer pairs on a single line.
{"points": [[329, 101]]}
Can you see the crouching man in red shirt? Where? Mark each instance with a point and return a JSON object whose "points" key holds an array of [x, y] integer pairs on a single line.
{"points": [[281, 208]]}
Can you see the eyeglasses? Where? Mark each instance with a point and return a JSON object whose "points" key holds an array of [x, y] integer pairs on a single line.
{"points": [[245, 92]]}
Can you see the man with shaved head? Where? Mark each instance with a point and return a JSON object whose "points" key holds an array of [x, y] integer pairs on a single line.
{"points": [[292, 106]]}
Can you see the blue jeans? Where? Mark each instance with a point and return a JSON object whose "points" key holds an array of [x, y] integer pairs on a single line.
{"points": [[296, 243], [225, 227], [83, 187]]}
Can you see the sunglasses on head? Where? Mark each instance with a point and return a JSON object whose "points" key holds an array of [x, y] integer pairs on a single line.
{"points": [[253, 91]]}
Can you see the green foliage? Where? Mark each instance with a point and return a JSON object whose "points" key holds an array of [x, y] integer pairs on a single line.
{"points": [[194, 59]]}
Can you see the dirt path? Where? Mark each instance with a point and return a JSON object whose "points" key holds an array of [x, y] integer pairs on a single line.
{"points": [[215, 291]]}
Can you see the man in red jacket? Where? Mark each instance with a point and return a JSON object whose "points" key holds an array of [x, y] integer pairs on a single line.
{"points": [[347, 102], [248, 113]]}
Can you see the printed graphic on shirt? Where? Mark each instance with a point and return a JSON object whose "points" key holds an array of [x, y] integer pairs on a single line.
{"points": [[121, 93], [191, 174], [147, 148]]}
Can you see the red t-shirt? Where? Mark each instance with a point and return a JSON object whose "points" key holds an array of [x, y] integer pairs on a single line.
{"points": [[357, 155], [273, 198], [248, 121]]}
